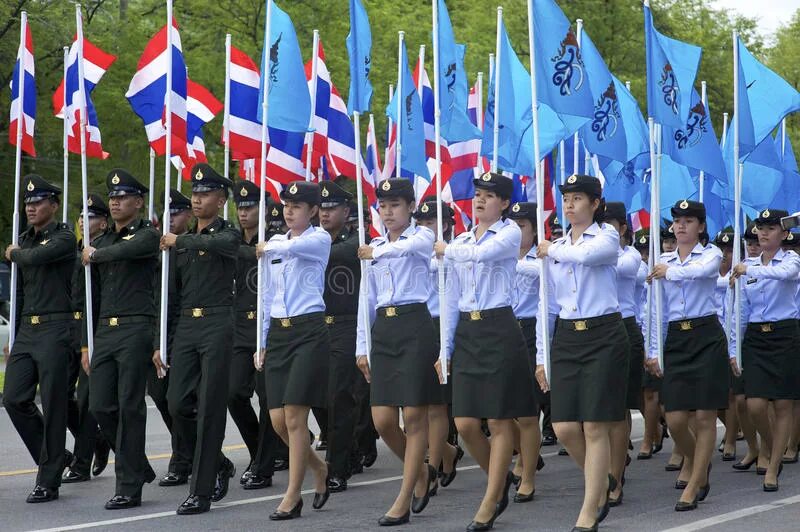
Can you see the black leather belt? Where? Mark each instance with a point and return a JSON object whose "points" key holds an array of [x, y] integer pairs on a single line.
{"points": [[116, 321], [590, 323], [56, 316], [392, 312], [771, 326], [692, 323], [348, 318], [476, 315], [295, 320], [202, 312]]}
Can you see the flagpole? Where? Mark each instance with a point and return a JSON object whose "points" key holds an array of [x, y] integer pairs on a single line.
{"points": [[84, 179], [363, 291], [23, 52], [496, 75], [310, 134], [226, 117], [724, 128], [704, 99], [479, 119], [655, 241], [539, 170], [162, 340], [262, 187], [421, 69], [151, 200], [737, 178], [65, 186], [439, 221], [398, 143]]}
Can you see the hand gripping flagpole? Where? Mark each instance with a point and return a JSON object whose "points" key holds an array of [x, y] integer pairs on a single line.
{"points": [[65, 186], [226, 117], [313, 91], [737, 230], [262, 188], [363, 290], [151, 200], [162, 340], [84, 179], [496, 75], [23, 54], [439, 221], [398, 136], [543, 278]]}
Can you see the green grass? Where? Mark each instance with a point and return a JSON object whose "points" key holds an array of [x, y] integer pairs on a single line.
{"points": [[2, 380]]}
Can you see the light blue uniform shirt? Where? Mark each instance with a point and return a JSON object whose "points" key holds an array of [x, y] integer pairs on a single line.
{"points": [[552, 314], [482, 272], [526, 293], [641, 293], [719, 295], [399, 275], [295, 274], [629, 261], [689, 289]]}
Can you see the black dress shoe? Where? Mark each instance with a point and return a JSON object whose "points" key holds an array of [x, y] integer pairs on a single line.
{"points": [[644, 456], [280, 464], [503, 502], [593, 528], [741, 465], [518, 497], [337, 484], [356, 468], [257, 482], [681, 484], [394, 521], [419, 504], [563, 452], [790, 460], [602, 512], [322, 445], [42, 494], [370, 457], [728, 457], [477, 526], [194, 504], [224, 475], [101, 450], [321, 498], [540, 463], [173, 479], [703, 492], [613, 503], [123, 502], [674, 467], [247, 474], [761, 471], [549, 440], [516, 479], [447, 478], [71, 476], [686, 506], [294, 513], [770, 487]]}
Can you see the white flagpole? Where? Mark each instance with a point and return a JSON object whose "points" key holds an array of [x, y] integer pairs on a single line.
{"points": [[479, 118], [23, 53], [496, 74], [226, 117], [313, 91], [704, 99], [724, 128], [655, 241], [262, 189], [421, 70], [179, 178], [162, 340], [363, 290], [151, 199], [737, 230], [84, 179], [439, 221], [399, 144], [65, 186], [389, 133], [576, 142], [543, 278]]}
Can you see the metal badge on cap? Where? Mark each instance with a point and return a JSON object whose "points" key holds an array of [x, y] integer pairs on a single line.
{"points": [[515, 208], [725, 238], [487, 176], [89, 202], [325, 192], [424, 208], [572, 179], [115, 180], [274, 211], [386, 185], [31, 186], [199, 175], [293, 189], [243, 192], [765, 214], [643, 240], [684, 204]]}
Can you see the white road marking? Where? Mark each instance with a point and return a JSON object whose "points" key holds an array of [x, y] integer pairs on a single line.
{"points": [[737, 514]]}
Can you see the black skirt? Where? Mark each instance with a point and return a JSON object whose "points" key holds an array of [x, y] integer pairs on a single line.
{"points": [[695, 366], [770, 360], [492, 373], [635, 365], [296, 363], [445, 389], [404, 350], [528, 327], [737, 384], [589, 370]]}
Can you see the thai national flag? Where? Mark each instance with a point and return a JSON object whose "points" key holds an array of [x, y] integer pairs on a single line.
{"points": [[374, 170], [245, 128], [473, 103], [95, 64], [24, 63], [148, 88], [201, 107]]}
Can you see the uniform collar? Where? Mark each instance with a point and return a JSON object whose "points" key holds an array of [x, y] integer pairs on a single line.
{"points": [[253, 241], [593, 230], [343, 235], [698, 249], [213, 227], [493, 229], [778, 256], [128, 229], [310, 229], [45, 230]]}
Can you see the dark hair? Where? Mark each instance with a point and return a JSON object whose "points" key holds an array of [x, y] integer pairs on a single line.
{"points": [[599, 214]]}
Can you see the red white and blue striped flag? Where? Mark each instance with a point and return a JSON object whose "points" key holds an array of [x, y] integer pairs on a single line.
{"points": [[201, 107], [24, 64]]}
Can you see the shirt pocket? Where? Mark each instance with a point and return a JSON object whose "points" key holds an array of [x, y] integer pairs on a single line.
{"points": [[384, 283]]}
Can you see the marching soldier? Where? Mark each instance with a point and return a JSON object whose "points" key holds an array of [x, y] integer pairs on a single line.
{"points": [[201, 348], [89, 438], [125, 261], [256, 430], [41, 352], [180, 462]]}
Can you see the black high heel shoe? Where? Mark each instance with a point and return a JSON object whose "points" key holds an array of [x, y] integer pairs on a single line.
{"points": [[419, 504], [741, 465], [294, 513], [447, 478], [768, 487], [321, 498], [394, 521], [674, 467], [477, 526], [703, 493], [686, 506], [502, 504], [593, 528], [602, 512]]}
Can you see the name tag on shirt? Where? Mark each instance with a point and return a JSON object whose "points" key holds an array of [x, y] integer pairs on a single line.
{"points": [[276, 261], [751, 281]]}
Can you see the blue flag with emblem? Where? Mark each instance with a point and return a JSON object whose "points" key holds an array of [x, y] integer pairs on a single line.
{"points": [[452, 84], [788, 196], [410, 123], [359, 48], [289, 100], [695, 144], [671, 70]]}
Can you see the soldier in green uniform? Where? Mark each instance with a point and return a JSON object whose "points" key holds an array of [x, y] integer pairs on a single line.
{"points": [[256, 430], [205, 267], [89, 439], [180, 462], [42, 348], [125, 261]]}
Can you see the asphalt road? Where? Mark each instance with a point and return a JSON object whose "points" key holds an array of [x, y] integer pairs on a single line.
{"points": [[736, 502]]}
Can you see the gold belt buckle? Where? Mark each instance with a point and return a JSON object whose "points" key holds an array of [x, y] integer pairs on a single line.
{"points": [[113, 322], [686, 325], [766, 327], [391, 312], [35, 320], [581, 325], [329, 320], [475, 315], [197, 312], [77, 315], [251, 315], [286, 322]]}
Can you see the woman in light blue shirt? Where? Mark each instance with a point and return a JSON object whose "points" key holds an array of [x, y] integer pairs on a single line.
{"points": [[296, 347], [695, 373], [590, 351], [771, 334], [491, 370], [400, 367]]}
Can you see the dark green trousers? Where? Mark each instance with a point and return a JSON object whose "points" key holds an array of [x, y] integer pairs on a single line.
{"points": [[122, 356], [198, 392], [80, 421], [40, 357], [181, 459], [342, 411]]}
